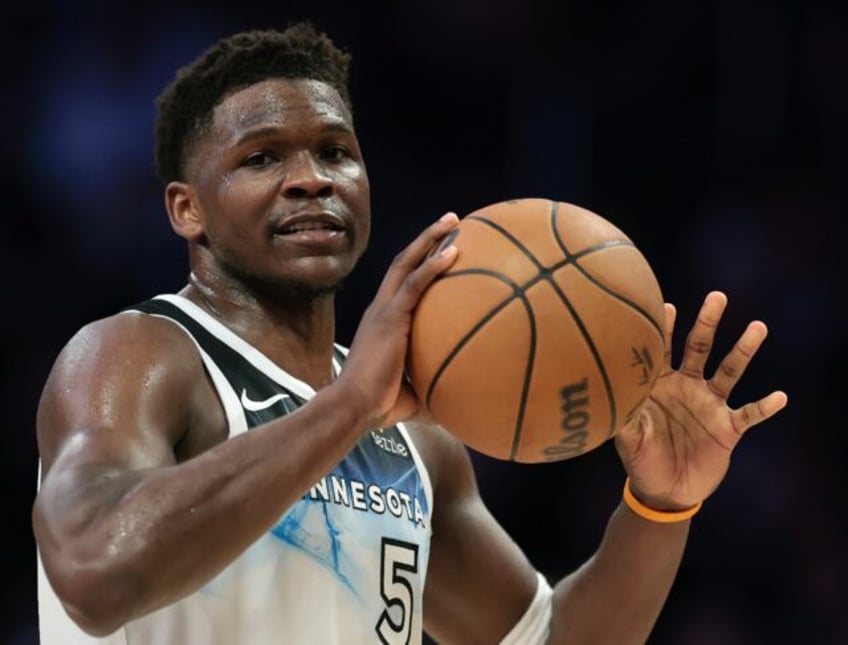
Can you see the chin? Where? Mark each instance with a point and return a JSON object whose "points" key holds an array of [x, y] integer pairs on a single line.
{"points": [[305, 289], [305, 281], [307, 292]]}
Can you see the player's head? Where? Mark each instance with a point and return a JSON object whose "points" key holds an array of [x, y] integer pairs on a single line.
{"points": [[263, 172], [185, 107]]}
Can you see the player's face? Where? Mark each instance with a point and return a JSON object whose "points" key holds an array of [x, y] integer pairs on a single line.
{"points": [[282, 187]]}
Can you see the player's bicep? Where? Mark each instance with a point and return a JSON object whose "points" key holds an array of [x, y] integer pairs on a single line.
{"points": [[111, 404], [479, 582]]}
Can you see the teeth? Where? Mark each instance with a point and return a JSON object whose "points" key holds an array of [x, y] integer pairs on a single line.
{"points": [[308, 226]]}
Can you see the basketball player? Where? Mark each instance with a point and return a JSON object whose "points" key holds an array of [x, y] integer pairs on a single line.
{"points": [[216, 470]]}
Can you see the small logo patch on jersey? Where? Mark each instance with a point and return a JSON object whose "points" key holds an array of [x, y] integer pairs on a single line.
{"points": [[255, 406], [390, 444]]}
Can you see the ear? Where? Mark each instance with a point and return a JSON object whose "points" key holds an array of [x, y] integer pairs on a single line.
{"points": [[183, 210]]}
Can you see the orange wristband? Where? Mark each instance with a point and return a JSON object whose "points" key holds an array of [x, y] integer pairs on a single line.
{"points": [[656, 516]]}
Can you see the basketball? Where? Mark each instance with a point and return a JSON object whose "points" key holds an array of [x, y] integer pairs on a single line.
{"points": [[545, 336]]}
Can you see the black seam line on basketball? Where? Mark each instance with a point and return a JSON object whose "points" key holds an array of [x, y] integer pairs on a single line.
{"points": [[545, 273], [525, 390], [569, 257], [593, 249], [555, 229], [574, 260], [588, 249], [462, 341], [598, 247], [640, 310], [487, 272], [520, 292], [516, 291], [528, 374], [593, 349], [507, 235]]}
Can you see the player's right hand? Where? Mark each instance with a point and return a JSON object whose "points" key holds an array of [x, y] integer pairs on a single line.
{"points": [[374, 368]]}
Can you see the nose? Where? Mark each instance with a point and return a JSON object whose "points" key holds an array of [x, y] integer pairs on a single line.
{"points": [[305, 177]]}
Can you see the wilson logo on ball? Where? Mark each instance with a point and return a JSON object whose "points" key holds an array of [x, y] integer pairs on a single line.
{"points": [[575, 421]]}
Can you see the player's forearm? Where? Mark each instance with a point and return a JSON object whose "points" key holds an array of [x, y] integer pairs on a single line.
{"points": [[616, 597], [149, 538]]}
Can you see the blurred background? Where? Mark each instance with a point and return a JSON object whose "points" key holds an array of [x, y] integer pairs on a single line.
{"points": [[713, 133]]}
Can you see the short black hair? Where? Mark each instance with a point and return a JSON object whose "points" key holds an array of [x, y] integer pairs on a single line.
{"points": [[184, 108]]}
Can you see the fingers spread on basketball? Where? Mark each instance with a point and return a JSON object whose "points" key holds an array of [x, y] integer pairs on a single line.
{"points": [[699, 342], [414, 255], [416, 282]]}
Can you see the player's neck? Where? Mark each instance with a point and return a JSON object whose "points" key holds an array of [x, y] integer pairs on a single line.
{"points": [[297, 334]]}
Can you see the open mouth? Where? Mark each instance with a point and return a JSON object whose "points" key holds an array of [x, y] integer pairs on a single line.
{"points": [[317, 233], [309, 227]]}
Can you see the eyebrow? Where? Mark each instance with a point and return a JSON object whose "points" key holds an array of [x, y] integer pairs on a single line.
{"points": [[269, 130]]}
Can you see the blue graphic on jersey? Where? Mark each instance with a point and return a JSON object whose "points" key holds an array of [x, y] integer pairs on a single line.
{"points": [[375, 491], [299, 530]]}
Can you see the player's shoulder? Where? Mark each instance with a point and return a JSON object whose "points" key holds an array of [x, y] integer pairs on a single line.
{"points": [[126, 336]]}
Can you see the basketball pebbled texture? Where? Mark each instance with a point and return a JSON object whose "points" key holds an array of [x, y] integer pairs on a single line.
{"points": [[544, 337]]}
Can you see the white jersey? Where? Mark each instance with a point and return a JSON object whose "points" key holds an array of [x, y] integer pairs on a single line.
{"points": [[344, 565]]}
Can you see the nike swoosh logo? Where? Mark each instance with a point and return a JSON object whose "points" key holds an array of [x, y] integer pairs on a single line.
{"points": [[256, 406]]}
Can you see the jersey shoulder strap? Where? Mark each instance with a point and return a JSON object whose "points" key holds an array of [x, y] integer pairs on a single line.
{"points": [[262, 396]]}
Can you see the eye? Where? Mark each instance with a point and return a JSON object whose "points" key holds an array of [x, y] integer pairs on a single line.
{"points": [[335, 153], [259, 159]]}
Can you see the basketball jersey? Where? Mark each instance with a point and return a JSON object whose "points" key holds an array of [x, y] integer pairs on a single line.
{"points": [[344, 565]]}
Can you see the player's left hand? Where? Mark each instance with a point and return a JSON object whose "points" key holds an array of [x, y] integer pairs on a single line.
{"points": [[677, 449]]}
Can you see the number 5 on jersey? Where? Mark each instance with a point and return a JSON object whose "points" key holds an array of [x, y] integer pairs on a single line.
{"points": [[398, 568]]}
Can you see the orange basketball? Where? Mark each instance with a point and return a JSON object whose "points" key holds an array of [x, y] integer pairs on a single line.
{"points": [[544, 337]]}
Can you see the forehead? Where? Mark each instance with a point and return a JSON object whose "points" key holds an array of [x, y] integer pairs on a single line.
{"points": [[278, 102]]}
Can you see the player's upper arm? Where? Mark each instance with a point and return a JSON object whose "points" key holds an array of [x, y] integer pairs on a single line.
{"points": [[118, 395], [117, 401], [479, 582]]}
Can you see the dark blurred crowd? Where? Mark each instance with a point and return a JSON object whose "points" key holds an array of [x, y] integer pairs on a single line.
{"points": [[713, 133]]}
